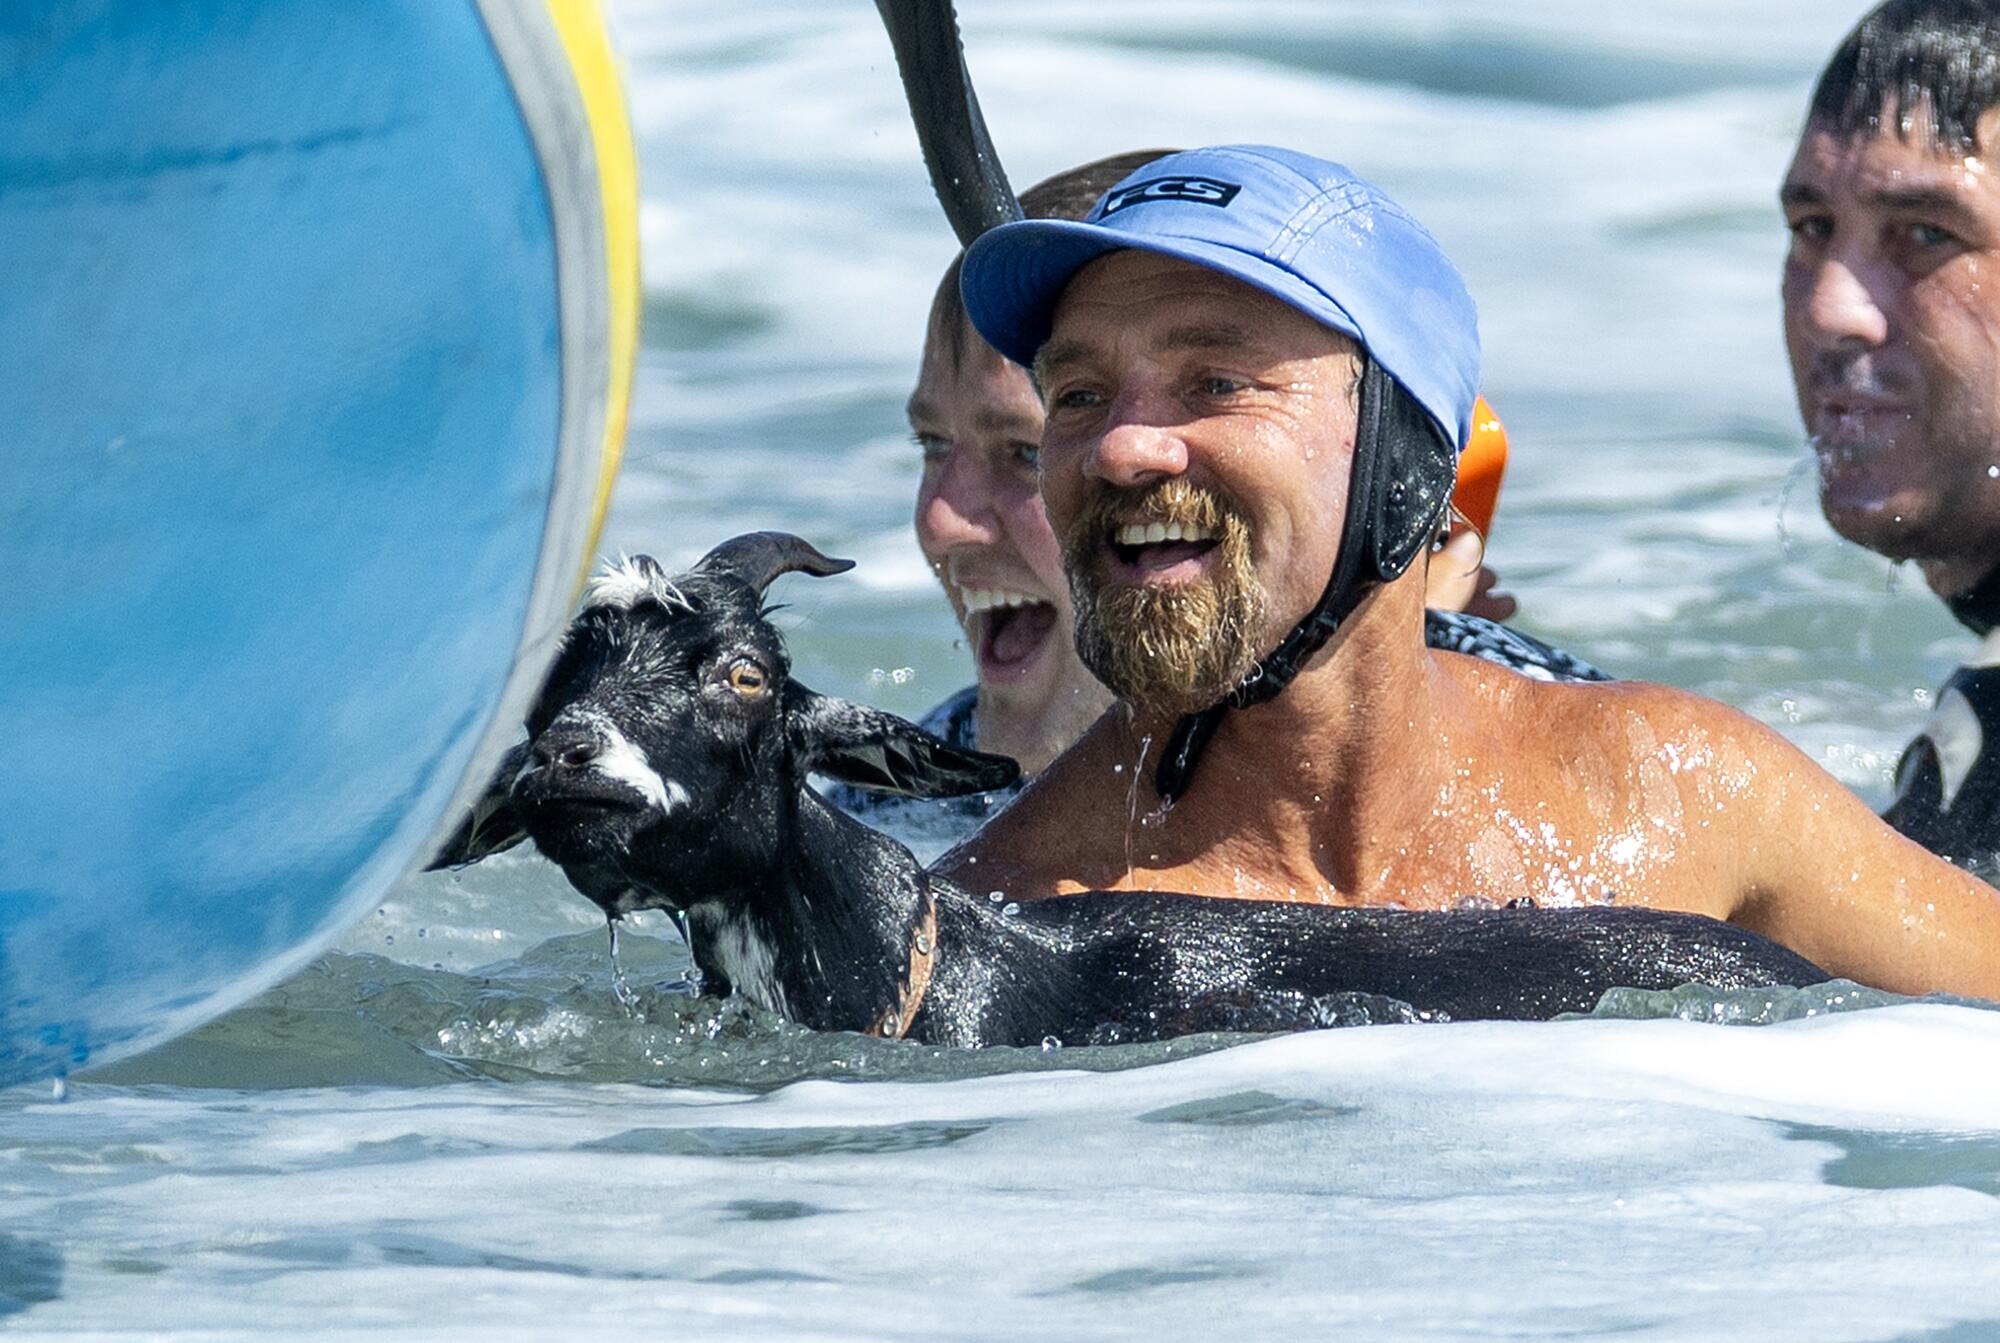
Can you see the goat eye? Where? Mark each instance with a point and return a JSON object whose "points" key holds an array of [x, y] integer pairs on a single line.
{"points": [[747, 678]]}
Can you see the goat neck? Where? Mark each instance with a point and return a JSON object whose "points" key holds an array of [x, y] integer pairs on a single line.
{"points": [[819, 929]]}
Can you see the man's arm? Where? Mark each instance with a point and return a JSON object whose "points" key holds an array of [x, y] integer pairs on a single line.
{"points": [[1822, 874]]}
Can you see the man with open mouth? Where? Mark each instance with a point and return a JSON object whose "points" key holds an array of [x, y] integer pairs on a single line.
{"points": [[1257, 371], [977, 420]]}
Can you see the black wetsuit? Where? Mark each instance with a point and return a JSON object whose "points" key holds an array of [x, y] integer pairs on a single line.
{"points": [[953, 818], [1948, 781]]}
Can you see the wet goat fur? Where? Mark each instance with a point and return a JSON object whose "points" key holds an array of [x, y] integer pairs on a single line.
{"points": [[667, 767]]}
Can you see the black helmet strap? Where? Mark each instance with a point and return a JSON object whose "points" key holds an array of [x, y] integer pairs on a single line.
{"points": [[1404, 468]]}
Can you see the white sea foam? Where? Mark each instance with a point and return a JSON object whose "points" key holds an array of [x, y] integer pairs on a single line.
{"points": [[1815, 1180]]}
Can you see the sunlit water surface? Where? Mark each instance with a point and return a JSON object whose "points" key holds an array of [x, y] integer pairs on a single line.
{"points": [[452, 1125]]}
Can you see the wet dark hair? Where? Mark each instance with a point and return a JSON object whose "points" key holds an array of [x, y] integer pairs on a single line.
{"points": [[1909, 58], [1067, 195]]}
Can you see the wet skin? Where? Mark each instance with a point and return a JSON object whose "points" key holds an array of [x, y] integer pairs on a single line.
{"points": [[981, 526], [1892, 320], [1224, 387], [1389, 774]]}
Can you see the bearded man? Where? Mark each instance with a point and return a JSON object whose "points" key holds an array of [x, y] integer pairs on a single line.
{"points": [[1892, 321], [1257, 371]]}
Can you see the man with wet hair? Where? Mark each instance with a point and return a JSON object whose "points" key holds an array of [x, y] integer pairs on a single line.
{"points": [[1257, 371], [1892, 321]]}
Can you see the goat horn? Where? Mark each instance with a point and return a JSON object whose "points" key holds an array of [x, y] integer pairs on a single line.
{"points": [[757, 558]]}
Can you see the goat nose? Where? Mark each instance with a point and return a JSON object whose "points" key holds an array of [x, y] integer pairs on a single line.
{"points": [[569, 749]]}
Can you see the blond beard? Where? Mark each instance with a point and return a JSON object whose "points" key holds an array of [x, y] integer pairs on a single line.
{"points": [[1171, 649]]}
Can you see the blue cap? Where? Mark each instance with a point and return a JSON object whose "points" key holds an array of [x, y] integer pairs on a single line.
{"points": [[1303, 230]]}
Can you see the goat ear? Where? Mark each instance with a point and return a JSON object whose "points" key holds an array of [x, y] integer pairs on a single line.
{"points": [[881, 752], [493, 825]]}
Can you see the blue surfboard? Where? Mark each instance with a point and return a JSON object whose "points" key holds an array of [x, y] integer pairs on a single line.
{"points": [[318, 325]]}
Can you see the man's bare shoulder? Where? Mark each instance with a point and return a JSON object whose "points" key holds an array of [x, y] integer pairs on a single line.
{"points": [[1623, 718], [1039, 845], [1689, 764], [1692, 731]]}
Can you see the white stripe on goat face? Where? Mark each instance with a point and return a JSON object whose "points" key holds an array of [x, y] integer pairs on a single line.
{"points": [[622, 761]]}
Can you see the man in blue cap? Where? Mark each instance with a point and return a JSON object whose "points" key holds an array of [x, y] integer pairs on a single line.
{"points": [[1258, 370]]}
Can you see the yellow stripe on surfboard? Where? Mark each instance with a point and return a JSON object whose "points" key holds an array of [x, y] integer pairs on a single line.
{"points": [[588, 47]]}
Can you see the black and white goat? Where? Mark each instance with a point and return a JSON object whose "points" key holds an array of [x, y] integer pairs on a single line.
{"points": [[667, 767]]}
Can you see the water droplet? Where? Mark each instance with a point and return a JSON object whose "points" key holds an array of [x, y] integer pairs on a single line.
{"points": [[1132, 798], [1993, 472], [1010, 909], [1050, 1043], [996, 896], [620, 990], [389, 940], [923, 945]]}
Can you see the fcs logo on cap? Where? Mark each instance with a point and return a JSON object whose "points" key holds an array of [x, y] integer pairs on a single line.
{"points": [[1188, 190]]}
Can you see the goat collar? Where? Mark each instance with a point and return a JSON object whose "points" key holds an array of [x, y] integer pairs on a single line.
{"points": [[894, 1021]]}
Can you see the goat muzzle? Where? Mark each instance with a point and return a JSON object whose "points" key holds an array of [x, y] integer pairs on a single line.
{"points": [[570, 750]]}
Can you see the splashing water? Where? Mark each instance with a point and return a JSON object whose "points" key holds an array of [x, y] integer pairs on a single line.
{"points": [[619, 987], [1132, 821], [1752, 1007]]}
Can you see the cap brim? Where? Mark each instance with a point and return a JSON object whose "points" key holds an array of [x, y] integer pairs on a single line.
{"points": [[1014, 276]]}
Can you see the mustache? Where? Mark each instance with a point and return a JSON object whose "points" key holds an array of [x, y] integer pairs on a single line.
{"points": [[1173, 650], [1853, 373], [1167, 502]]}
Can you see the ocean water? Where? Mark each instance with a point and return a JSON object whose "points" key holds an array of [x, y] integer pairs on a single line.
{"points": [[450, 1126]]}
